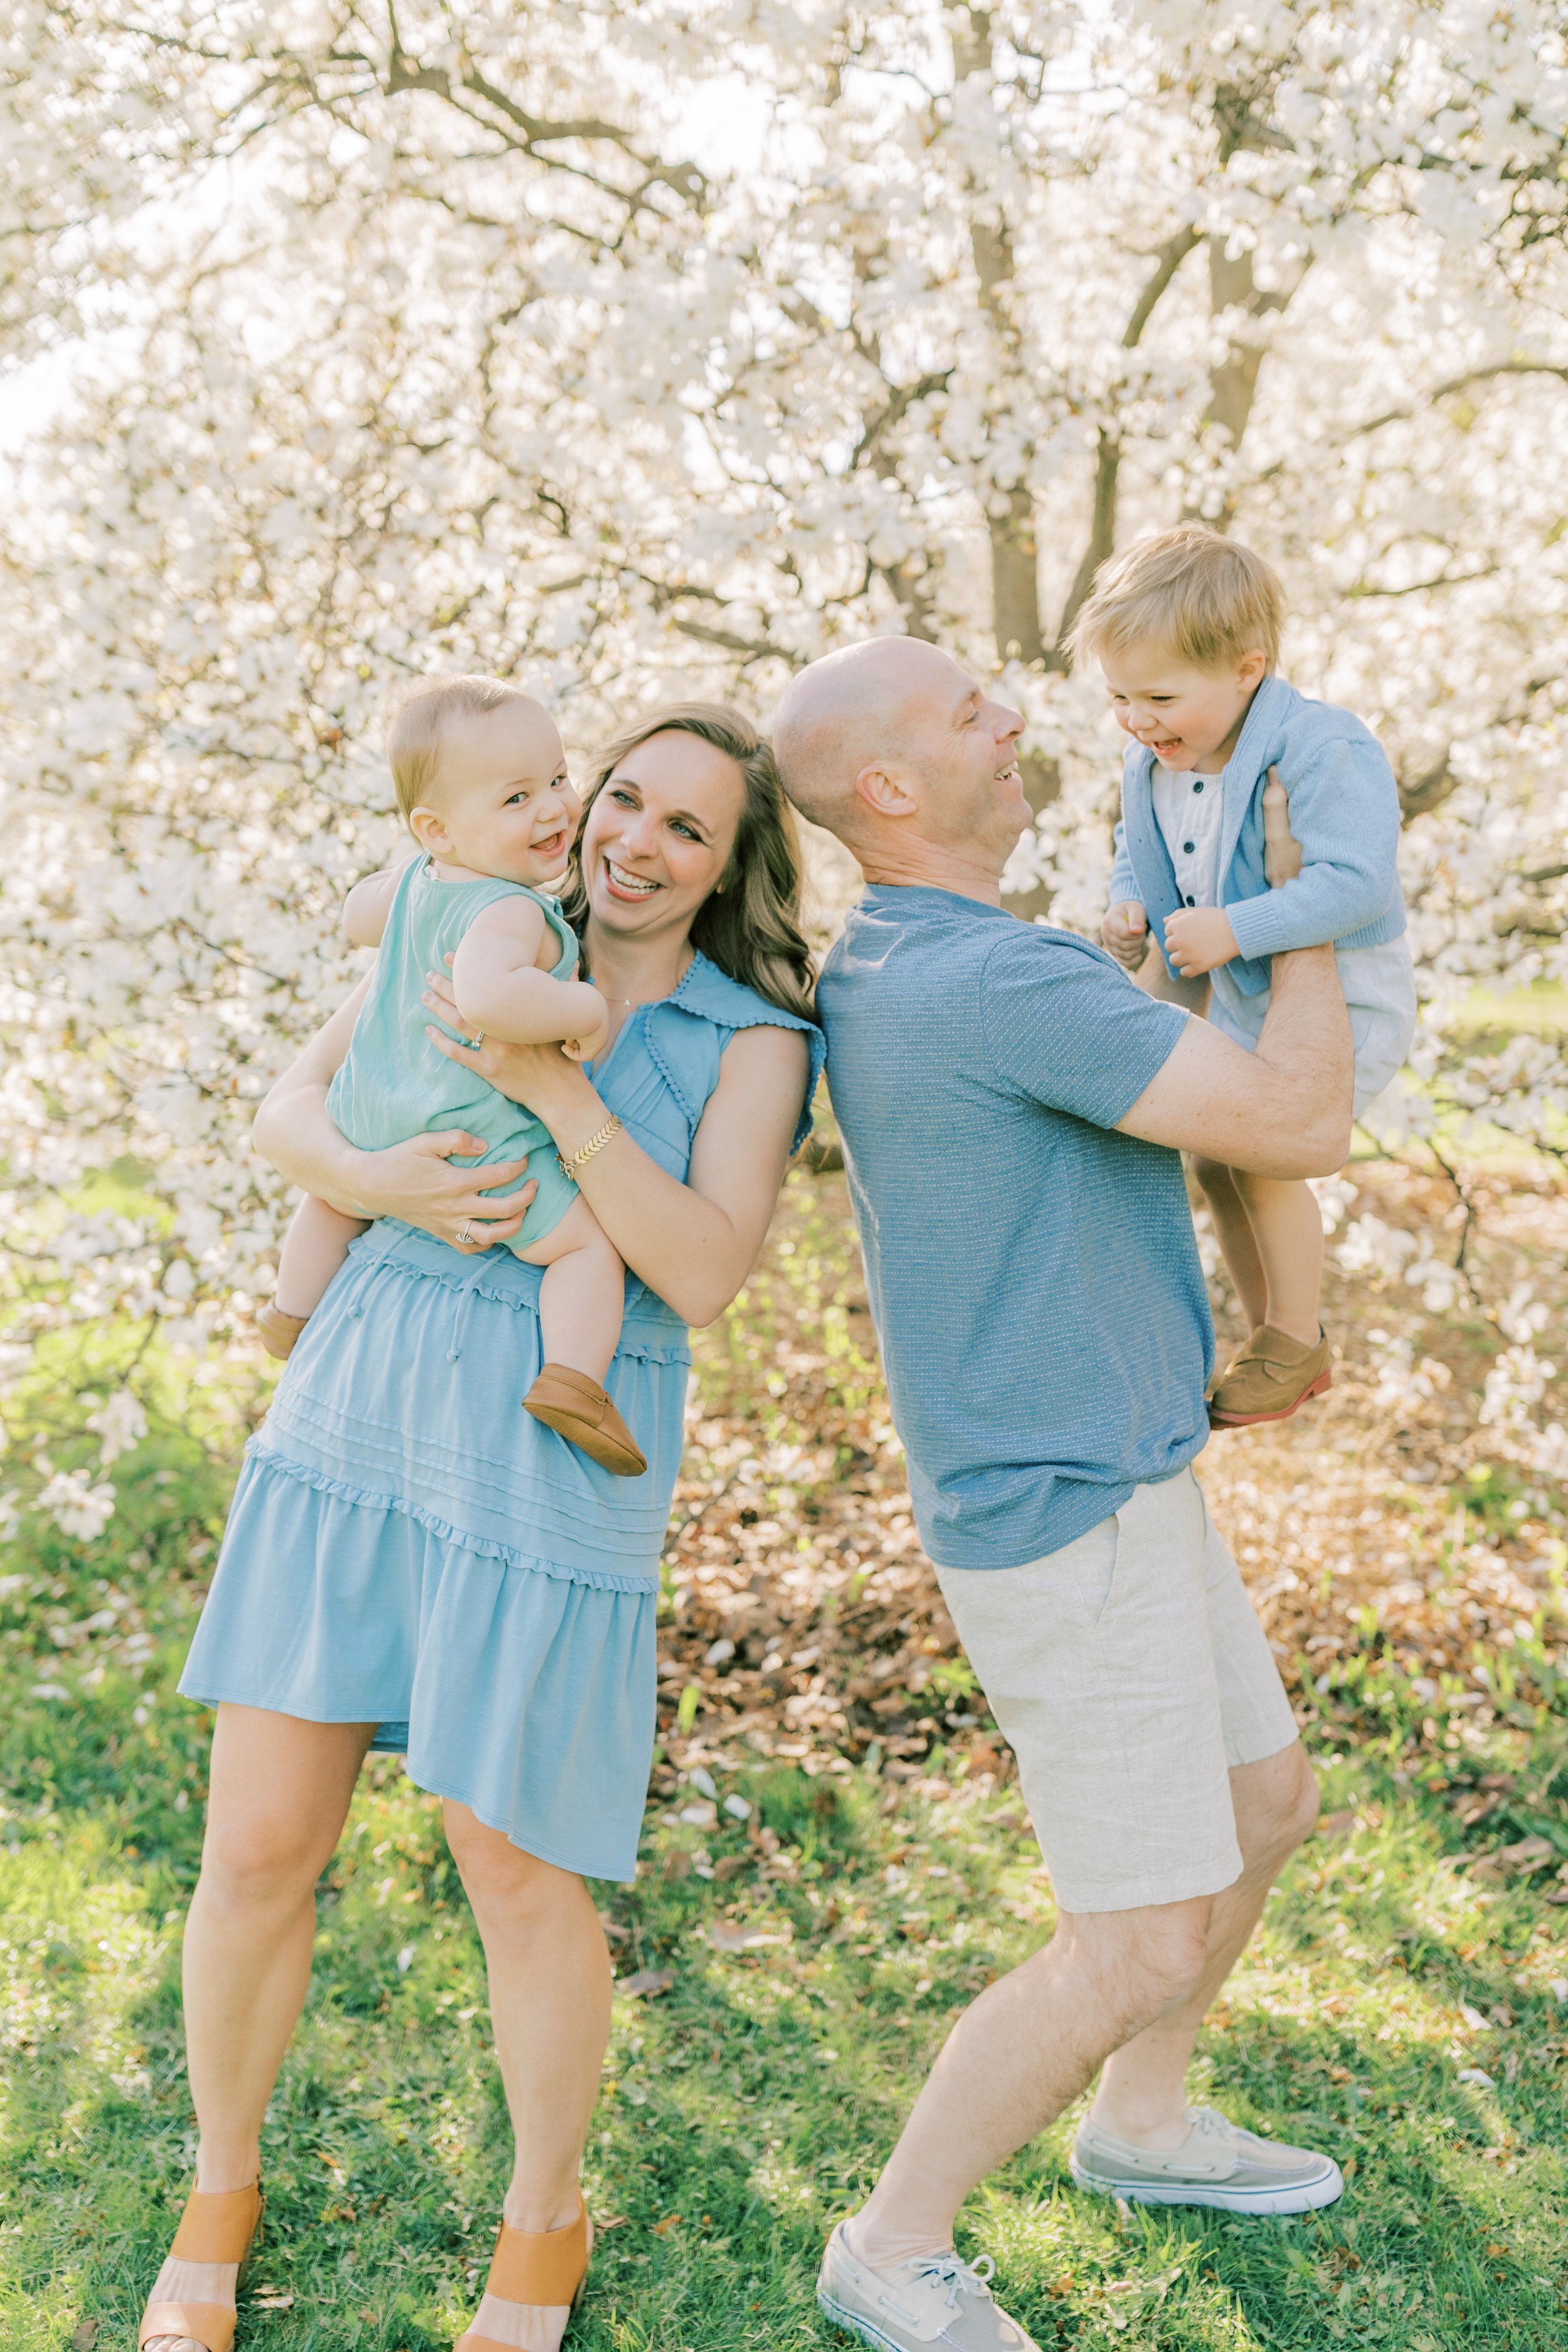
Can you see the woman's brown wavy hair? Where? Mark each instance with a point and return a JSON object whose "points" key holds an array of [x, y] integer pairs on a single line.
{"points": [[749, 925]]}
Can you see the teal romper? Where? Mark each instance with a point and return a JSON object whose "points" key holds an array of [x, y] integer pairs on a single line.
{"points": [[394, 1083]]}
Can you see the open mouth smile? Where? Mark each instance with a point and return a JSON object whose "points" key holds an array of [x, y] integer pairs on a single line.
{"points": [[626, 884]]}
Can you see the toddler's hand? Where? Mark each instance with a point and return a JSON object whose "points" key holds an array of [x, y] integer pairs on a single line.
{"points": [[590, 1042], [1124, 933], [1197, 938], [1281, 850]]}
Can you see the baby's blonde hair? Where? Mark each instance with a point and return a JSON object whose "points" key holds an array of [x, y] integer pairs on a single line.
{"points": [[419, 730], [1208, 599]]}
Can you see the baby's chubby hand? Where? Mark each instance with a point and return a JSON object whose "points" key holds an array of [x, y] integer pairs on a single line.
{"points": [[590, 1042], [1197, 938], [1124, 933]]}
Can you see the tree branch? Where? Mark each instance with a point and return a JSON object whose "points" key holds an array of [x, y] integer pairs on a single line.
{"points": [[1445, 391], [1108, 453]]}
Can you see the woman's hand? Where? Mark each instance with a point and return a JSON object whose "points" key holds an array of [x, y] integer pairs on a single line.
{"points": [[540, 1078], [424, 1182]]}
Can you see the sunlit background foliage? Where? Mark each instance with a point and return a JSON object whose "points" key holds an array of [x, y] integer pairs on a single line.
{"points": [[635, 350]]}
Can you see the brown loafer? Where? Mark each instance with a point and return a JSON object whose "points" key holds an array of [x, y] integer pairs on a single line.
{"points": [[577, 1408], [277, 1331], [1268, 1380]]}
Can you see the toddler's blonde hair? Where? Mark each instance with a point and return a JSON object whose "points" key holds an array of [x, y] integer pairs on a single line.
{"points": [[1207, 598], [419, 730]]}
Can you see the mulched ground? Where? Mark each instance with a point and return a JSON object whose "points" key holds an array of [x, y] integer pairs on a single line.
{"points": [[1409, 1569]]}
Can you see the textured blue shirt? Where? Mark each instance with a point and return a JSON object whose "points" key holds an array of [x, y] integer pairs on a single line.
{"points": [[1034, 1275]]}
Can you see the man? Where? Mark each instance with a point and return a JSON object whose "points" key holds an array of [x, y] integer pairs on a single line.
{"points": [[1013, 1108]]}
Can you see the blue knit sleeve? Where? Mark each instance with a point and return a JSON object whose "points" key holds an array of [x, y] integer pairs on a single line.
{"points": [[1344, 811], [1123, 881]]}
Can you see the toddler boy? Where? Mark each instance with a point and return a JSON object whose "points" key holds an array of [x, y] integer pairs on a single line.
{"points": [[1185, 626]]}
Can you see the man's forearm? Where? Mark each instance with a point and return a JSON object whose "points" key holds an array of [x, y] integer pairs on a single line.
{"points": [[1283, 1110], [1155, 979], [1307, 1043]]}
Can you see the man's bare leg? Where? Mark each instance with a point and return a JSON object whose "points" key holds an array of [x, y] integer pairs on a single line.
{"points": [[1020, 2055], [1123, 1990], [1142, 2090]]}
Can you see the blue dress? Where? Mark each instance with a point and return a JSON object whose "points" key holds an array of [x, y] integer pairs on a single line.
{"points": [[406, 1546]]}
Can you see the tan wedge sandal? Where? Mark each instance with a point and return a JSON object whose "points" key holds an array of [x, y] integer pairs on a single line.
{"points": [[536, 2277], [576, 1406], [216, 2235]]}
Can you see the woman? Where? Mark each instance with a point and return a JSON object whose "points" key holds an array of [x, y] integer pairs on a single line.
{"points": [[413, 1564]]}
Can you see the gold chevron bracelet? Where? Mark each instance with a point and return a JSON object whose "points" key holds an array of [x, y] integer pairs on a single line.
{"points": [[596, 1143]]}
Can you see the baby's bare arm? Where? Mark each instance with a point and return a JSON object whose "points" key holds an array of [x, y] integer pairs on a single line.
{"points": [[369, 903], [502, 989]]}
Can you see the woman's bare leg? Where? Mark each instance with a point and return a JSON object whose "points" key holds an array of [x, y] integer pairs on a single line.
{"points": [[549, 2009], [550, 2006], [280, 1791]]}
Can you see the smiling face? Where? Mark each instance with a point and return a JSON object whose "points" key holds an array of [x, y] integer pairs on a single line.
{"points": [[965, 747], [1190, 718], [502, 805], [658, 835]]}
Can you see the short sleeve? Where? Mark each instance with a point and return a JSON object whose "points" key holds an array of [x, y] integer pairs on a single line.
{"points": [[1063, 1024]]}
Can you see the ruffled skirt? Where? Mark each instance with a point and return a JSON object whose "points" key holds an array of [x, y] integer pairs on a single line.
{"points": [[407, 1548]]}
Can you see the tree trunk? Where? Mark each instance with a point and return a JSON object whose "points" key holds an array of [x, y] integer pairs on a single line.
{"points": [[1233, 384], [1010, 511]]}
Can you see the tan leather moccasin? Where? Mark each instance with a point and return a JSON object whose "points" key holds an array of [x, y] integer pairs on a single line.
{"points": [[1270, 1377], [576, 1406], [278, 1332]]}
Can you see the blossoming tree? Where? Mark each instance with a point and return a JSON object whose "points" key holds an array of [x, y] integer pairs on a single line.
{"points": [[643, 349]]}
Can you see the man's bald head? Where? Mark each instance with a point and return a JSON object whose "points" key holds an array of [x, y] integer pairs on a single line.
{"points": [[853, 710], [915, 768]]}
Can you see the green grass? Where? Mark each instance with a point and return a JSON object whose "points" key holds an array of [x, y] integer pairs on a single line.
{"points": [[1538, 1010], [750, 2105]]}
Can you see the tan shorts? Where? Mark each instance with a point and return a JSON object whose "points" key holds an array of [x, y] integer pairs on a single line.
{"points": [[1129, 1671]]}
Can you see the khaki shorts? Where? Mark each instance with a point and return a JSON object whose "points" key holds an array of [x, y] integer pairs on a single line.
{"points": [[1128, 1672]]}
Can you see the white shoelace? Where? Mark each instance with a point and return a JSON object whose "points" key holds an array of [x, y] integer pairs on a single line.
{"points": [[959, 2278]]}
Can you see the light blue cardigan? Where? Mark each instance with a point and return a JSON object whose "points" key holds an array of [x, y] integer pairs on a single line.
{"points": [[1344, 811]]}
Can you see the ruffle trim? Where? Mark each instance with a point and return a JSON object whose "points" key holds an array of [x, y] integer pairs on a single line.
{"points": [[483, 1547], [731, 1005], [369, 1262]]}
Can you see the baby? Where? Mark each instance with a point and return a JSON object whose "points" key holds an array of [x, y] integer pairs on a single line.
{"points": [[481, 782], [1185, 626]]}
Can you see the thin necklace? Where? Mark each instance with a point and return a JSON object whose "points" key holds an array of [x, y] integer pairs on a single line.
{"points": [[663, 992]]}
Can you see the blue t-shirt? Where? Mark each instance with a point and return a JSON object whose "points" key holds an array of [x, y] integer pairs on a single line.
{"points": [[1034, 1275]]}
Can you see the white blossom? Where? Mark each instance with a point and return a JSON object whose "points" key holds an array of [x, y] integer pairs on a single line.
{"points": [[119, 1424], [76, 1507], [651, 350]]}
